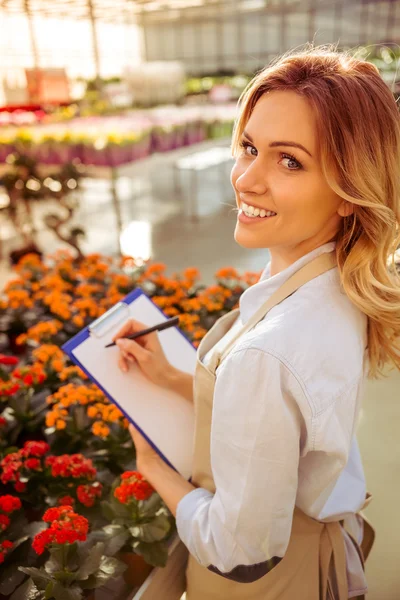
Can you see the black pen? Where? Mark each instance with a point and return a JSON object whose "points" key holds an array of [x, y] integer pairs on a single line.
{"points": [[159, 327]]}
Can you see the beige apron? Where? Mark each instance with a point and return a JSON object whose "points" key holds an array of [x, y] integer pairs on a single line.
{"points": [[305, 572]]}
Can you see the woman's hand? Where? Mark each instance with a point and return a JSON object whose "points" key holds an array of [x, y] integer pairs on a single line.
{"points": [[146, 351]]}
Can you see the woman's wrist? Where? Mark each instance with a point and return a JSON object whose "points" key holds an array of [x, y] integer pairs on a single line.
{"points": [[181, 383]]}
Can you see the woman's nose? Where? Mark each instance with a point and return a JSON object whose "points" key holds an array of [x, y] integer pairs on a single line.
{"points": [[250, 179]]}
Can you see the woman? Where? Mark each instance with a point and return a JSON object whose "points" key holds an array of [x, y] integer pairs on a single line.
{"points": [[273, 508]]}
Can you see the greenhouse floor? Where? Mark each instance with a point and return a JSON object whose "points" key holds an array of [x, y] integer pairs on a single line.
{"points": [[154, 225]]}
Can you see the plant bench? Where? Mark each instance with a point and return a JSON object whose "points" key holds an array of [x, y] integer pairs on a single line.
{"points": [[199, 162]]}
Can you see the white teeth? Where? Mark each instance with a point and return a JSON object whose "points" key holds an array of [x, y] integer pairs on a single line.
{"points": [[252, 211]]}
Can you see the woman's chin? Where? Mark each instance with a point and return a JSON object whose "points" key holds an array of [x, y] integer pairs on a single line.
{"points": [[248, 240]]}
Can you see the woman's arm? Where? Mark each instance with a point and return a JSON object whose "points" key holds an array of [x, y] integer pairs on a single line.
{"points": [[181, 383]]}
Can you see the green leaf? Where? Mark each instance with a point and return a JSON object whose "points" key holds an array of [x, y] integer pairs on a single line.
{"points": [[71, 593], [26, 591], [92, 562], [48, 593], [150, 506], [112, 566], [152, 532], [10, 578], [155, 554], [55, 562], [117, 536], [39, 576], [107, 510]]}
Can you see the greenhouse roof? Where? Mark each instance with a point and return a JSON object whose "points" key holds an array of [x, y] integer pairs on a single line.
{"points": [[105, 10]]}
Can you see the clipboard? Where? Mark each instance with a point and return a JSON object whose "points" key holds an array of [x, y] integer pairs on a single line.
{"points": [[163, 417]]}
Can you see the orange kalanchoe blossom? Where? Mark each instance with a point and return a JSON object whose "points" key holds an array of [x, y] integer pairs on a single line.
{"points": [[72, 371], [87, 290], [18, 299], [71, 394], [100, 429], [50, 356], [41, 333], [86, 307], [57, 417]]}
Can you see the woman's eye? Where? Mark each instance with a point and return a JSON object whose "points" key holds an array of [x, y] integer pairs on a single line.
{"points": [[292, 160], [244, 145]]}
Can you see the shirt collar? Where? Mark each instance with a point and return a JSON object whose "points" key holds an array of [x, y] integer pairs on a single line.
{"points": [[256, 295]]}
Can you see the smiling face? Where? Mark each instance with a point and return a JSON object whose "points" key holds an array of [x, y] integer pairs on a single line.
{"points": [[274, 175]]}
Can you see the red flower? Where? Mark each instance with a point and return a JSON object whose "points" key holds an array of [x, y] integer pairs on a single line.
{"points": [[66, 500], [20, 487], [133, 487], [66, 527], [87, 494], [54, 513], [9, 503], [28, 379], [4, 522], [33, 463], [3, 421], [33, 448], [71, 465], [8, 360], [6, 545]]}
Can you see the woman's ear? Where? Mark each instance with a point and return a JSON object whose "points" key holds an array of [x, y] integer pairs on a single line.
{"points": [[345, 209]]}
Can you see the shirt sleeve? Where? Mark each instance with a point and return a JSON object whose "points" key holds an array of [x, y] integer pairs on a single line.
{"points": [[255, 448]]}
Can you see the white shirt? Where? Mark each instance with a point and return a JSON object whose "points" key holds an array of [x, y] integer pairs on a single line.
{"points": [[286, 403]]}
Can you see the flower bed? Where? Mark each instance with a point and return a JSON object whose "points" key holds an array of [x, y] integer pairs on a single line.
{"points": [[73, 509], [113, 141]]}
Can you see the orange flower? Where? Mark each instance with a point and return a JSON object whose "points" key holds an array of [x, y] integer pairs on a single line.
{"points": [[100, 429], [191, 273], [69, 372], [227, 273], [156, 268]]}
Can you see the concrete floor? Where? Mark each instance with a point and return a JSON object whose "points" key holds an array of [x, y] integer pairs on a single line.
{"points": [[158, 228]]}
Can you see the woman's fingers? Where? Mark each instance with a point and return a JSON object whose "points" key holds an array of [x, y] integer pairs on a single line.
{"points": [[128, 328]]}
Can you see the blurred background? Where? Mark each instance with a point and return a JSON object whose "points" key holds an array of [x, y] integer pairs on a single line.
{"points": [[115, 125]]}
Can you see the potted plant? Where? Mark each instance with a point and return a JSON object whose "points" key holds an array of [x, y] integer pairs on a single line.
{"points": [[75, 567], [140, 526]]}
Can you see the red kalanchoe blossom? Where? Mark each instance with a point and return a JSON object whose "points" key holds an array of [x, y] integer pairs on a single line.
{"points": [[66, 527], [8, 388], [10, 466], [33, 464], [133, 487], [20, 487], [4, 546], [4, 522], [34, 448], [8, 360], [71, 465], [87, 494], [66, 500], [9, 503]]}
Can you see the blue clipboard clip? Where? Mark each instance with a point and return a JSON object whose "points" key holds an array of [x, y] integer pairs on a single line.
{"points": [[112, 317]]}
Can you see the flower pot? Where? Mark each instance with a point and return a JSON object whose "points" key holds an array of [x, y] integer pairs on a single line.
{"points": [[137, 568]]}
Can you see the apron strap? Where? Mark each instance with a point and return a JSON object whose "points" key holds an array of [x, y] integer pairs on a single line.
{"points": [[321, 264], [333, 563]]}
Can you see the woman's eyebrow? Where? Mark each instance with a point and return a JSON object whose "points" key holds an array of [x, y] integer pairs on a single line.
{"points": [[275, 144]]}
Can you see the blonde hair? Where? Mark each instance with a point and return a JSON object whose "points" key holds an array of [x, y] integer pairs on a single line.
{"points": [[358, 131]]}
